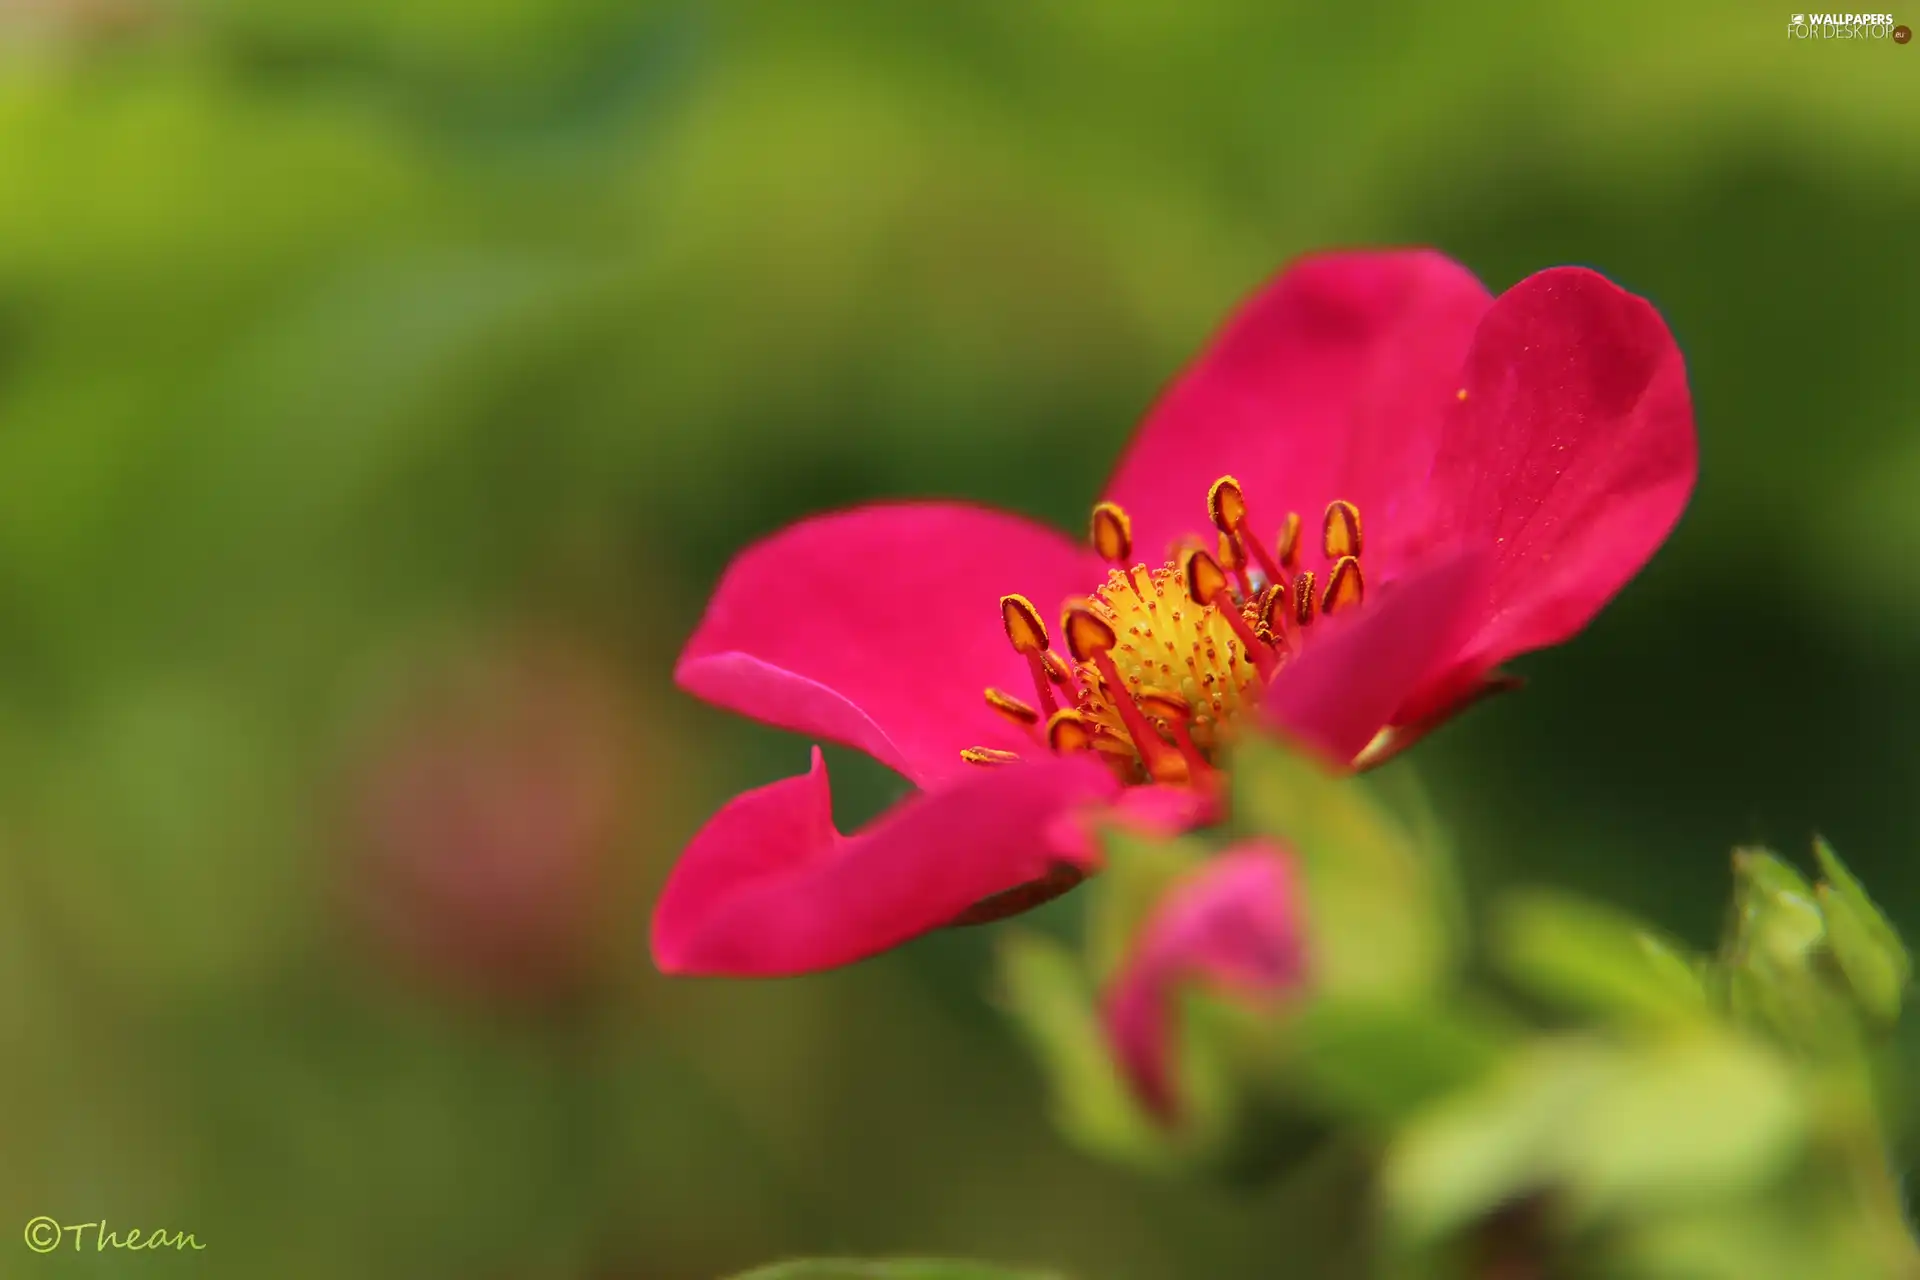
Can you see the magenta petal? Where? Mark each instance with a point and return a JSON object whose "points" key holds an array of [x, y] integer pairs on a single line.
{"points": [[770, 887], [880, 627], [1357, 670], [1572, 456], [1233, 925], [1332, 382]]}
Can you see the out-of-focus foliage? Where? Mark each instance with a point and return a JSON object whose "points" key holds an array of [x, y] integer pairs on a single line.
{"points": [[1589, 1101], [900, 1270], [364, 366]]}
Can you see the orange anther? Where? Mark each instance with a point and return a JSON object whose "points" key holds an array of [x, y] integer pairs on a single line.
{"points": [[1303, 598], [1274, 602], [1112, 533], [1170, 707], [1231, 556], [988, 756], [1341, 534], [1226, 505], [1011, 707], [1290, 540], [1024, 629], [1070, 731], [1205, 579], [1344, 586], [1087, 632]]}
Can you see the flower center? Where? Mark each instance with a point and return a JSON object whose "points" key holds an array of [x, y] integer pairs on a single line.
{"points": [[1164, 662]]}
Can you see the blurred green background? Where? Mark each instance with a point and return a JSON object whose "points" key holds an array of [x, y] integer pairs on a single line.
{"points": [[382, 386]]}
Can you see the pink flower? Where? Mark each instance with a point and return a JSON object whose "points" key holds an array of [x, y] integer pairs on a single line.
{"points": [[485, 817], [1231, 925], [1377, 485]]}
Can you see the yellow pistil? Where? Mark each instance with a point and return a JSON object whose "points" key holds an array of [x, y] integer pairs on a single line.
{"points": [[1156, 665], [1161, 640]]}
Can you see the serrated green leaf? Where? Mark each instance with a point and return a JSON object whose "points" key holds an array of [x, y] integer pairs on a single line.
{"points": [[1377, 919], [1138, 872], [892, 1269], [1592, 959]]}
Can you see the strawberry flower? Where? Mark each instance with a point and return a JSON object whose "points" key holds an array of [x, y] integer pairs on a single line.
{"points": [[1376, 486]]}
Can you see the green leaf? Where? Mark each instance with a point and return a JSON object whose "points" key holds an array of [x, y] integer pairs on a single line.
{"points": [[1696, 1117], [1644, 1127], [1045, 990], [1229, 1124], [1591, 959], [1756, 1239], [1864, 943], [1238, 1121], [1138, 872], [1377, 1064], [892, 1269], [1490, 1145], [1379, 918]]}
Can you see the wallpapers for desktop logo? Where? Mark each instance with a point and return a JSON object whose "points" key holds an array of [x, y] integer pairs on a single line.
{"points": [[1847, 26]]}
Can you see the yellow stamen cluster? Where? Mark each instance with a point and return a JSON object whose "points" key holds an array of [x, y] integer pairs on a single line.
{"points": [[1164, 643], [1164, 661]]}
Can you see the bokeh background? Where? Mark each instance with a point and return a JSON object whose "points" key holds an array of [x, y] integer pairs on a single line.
{"points": [[382, 386]]}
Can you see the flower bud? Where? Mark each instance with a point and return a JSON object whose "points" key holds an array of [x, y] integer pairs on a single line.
{"points": [[485, 817], [1230, 927], [1814, 964], [1864, 944]]}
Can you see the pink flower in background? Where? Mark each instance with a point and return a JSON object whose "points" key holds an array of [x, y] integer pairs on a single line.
{"points": [[487, 818], [1377, 485], [1232, 926]]}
